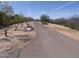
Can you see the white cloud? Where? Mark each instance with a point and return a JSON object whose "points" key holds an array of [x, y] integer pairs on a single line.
{"points": [[67, 4]]}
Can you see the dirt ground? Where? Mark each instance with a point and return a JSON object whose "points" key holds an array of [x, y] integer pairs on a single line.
{"points": [[74, 34], [12, 45]]}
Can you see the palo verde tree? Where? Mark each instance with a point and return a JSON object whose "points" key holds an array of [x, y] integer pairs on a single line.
{"points": [[7, 11]]}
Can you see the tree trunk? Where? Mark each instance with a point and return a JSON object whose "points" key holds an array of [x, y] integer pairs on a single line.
{"points": [[15, 27], [5, 32]]}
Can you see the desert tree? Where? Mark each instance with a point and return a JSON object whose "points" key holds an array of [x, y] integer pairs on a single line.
{"points": [[7, 12], [45, 18]]}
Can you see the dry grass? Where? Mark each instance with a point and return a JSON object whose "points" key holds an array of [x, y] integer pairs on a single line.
{"points": [[16, 40], [65, 30]]}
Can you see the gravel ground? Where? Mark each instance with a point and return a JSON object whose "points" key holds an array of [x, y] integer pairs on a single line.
{"points": [[11, 46]]}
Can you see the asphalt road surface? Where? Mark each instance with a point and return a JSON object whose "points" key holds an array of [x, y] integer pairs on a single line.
{"points": [[50, 44]]}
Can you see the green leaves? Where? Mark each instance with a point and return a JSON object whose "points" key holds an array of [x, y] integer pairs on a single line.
{"points": [[45, 19]]}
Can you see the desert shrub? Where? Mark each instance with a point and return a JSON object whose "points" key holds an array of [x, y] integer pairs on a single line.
{"points": [[72, 22]]}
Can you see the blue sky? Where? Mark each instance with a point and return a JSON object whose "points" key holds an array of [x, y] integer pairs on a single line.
{"points": [[55, 9]]}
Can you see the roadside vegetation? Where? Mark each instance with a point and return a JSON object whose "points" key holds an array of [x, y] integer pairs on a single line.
{"points": [[8, 17], [13, 31], [72, 22]]}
